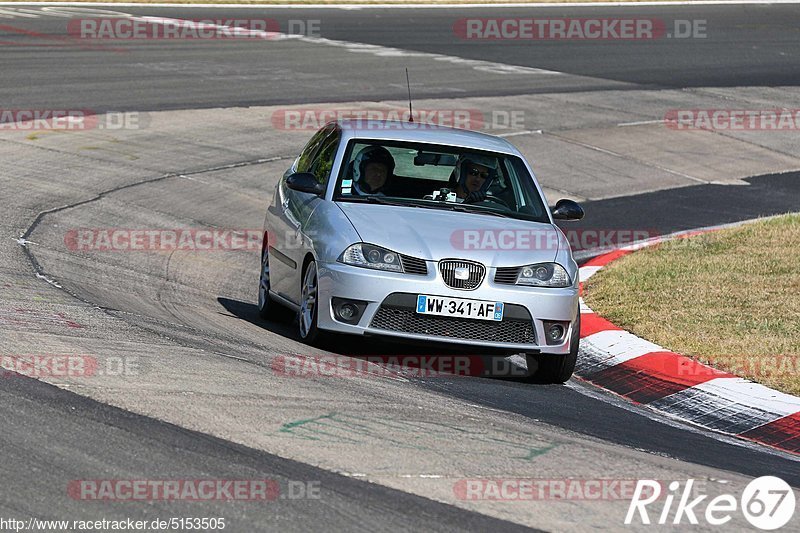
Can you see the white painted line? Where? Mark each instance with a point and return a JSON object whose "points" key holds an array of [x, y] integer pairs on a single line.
{"points": [[585, 309], [377, 50], [638, 245], [516, 133], [52, 282], [587, 272], [620, 346], [229, 356], [355, 47], [197, 25], [586, 388], [24, 242], [714, 412], [623, 156], [15, 13], [400, 5], [744, 392], [384, 51], [641, 123]]}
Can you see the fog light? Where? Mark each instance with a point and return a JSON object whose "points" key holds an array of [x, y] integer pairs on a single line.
{"points": [[347, 311], [555, 333]]}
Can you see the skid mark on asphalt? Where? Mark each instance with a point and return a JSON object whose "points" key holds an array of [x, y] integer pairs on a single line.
{"points": [[350, 429], [26, 289], [34, 319], [39, 272], [59, 40]]}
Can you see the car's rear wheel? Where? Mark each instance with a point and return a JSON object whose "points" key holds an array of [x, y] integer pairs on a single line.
{"points": [[268, 308], [556, 368], [309, 308]]}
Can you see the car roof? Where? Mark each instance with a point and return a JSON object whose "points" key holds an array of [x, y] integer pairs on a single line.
{"points": [[393, 130]]}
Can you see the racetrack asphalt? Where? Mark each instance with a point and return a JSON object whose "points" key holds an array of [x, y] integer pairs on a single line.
{"points": [[208, 403]]}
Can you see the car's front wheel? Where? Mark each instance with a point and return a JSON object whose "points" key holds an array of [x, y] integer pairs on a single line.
{"points": [[556, 368], [309, 308]]}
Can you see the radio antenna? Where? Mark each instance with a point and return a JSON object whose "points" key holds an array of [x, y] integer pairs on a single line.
{"points": [[410, 111]]}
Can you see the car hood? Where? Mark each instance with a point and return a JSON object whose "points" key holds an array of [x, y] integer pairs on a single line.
{"points": [[435, 234]]}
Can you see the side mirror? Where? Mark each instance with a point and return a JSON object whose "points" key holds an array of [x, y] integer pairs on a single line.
{"points": [[305, 182], [567, 210]]}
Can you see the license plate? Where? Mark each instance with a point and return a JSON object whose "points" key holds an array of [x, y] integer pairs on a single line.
{"points": [[459, 307]]}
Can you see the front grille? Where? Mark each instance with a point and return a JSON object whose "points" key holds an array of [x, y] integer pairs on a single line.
{"points": [[412, 265], [475, 272], [407, 321], [506, 275]]}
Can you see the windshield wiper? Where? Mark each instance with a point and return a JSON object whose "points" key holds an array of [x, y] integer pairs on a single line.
{"points": [[410, 202], [461, 208], [470, 209], [373, 200]]}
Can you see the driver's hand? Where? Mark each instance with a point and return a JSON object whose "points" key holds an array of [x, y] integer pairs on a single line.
{"points": [[474, 197]]}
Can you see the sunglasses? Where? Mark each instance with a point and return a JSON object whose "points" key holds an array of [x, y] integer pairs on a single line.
{"points": [[475, 172]]}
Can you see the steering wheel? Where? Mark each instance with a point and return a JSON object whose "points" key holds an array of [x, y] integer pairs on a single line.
{"points": [[496, 200]]}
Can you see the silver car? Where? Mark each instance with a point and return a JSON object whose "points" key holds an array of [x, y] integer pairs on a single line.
{"points": [[425, 233]]}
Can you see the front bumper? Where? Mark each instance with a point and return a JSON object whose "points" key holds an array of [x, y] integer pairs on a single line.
{"points": [[390, 308]]}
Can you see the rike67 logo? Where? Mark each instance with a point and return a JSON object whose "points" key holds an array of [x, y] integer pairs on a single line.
{"points": [[767, 503]]}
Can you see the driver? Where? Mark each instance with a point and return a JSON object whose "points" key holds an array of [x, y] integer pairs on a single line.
{"points": [[473, 175], [372, 168]]}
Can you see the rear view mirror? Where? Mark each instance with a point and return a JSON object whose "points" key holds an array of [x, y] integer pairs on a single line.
{"points": [[567, 210], [305, 182], [431, 158]]}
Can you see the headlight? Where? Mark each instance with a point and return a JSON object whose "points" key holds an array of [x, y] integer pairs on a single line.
{"points": [[543, 275], [371, 256]]}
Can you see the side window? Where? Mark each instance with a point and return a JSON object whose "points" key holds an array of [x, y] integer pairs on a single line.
{"points": [[307, 155], [323, 162]]}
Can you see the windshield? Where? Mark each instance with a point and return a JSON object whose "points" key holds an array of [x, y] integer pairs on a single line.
{"points": [[439, 177]]}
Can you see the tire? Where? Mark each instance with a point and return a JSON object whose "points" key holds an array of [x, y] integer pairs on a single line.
{"points": [[268, 309], [309, 308], [552, 368]]}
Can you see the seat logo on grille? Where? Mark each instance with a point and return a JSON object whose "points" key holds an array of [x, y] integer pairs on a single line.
{"points": [[461, 275]]}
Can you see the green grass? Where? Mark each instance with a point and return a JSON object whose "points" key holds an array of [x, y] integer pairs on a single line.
{"points": [[730, 298]]}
